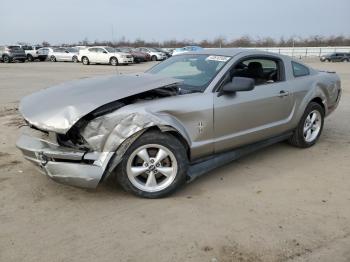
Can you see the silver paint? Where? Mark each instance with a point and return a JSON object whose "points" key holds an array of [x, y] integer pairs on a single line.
{"points": [[207, 123]]}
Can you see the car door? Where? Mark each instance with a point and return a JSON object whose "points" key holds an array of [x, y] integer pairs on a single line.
{"points": [[67, 56], [92, 55], [102, 56], [251, 116], [61, 56]]}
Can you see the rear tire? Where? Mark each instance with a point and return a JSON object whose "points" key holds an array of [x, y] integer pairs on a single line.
{"points": [[309, 128], [154, 58], [85, 60], [53, 59], [154, 166], [346, 60], [75, 59], [6, 59]]}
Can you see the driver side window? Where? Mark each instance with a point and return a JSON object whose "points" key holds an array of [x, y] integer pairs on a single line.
{"points": [[262, 70]]}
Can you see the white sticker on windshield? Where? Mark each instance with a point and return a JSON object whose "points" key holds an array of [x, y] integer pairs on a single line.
{"points": [[218, 58]]}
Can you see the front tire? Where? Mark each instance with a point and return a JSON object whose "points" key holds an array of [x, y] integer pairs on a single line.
{"points": [[309, 128], [154, 58], [113, 61], [154, 166], [30, 58], [53, 59]]}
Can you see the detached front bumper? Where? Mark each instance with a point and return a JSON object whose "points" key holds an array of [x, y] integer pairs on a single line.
{"points": [[63, 164]]}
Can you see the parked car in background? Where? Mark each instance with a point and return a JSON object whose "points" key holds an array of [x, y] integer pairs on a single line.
{"points": [[336, 57], [43, 53], [156, 130], [169, 50], [168, 54], [155, 55], [138, 56], [63, 54], [104, 55], [31, 52], [186, 49], [11, 53]]}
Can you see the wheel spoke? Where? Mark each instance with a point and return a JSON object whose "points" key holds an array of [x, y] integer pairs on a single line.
{"points": [[160, 156], [151, 180], [313, 118], [143, 154], [308, 134], [166, 171], [137, 170]]}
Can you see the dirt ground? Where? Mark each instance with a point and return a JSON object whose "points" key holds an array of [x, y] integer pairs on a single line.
{"points": [[278, 204]]}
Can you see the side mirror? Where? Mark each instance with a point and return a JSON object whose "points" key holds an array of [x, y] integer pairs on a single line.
{"points": [[105, 52], [238, 84], [67, 51]]}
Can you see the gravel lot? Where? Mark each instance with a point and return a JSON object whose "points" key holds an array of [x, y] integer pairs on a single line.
{"points": [[278, 204]]}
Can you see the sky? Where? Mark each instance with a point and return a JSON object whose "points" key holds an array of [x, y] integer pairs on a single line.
{"points": [[70, 21]]}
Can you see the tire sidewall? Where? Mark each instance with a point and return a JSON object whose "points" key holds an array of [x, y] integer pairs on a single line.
{"points": [[163, 139]]}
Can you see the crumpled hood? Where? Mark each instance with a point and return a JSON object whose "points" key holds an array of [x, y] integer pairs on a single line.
{"points": [[59, 107]]}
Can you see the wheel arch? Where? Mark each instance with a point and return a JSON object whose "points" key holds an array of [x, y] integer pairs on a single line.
{"points": [[319, 101]]}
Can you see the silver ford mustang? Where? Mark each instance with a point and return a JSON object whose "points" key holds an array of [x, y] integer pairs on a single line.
{"points": [[187, 115]]}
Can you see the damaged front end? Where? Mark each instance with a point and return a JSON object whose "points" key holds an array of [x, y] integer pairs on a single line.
{"points": [[86, 152], [63, 164]]}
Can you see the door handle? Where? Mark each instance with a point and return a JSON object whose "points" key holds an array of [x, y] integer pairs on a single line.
{"points": [[283, 93]]}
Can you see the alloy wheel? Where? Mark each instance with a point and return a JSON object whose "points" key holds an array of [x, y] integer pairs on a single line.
{"points": [[312, 126], [152, 168]]}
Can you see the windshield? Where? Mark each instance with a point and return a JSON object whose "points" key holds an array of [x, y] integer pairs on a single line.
{"points": [[110, 49], [196, 71]]}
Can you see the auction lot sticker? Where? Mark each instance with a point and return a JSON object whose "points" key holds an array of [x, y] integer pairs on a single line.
{"points": [[218, 58]]}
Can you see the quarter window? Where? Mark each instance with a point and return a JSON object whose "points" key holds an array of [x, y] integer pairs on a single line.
{"points": [[300, 70]]}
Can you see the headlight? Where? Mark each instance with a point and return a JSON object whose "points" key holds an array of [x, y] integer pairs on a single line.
{"points": [[123, 56]]}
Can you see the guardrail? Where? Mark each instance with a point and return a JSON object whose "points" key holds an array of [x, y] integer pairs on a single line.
{"points": [[302, 52]]}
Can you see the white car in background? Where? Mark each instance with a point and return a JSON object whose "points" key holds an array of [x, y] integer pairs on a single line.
{"points": [[62, 54], [155, 54], [104, 55], [32, 52]]}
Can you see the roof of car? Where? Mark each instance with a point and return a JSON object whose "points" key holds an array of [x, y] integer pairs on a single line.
{"points": [[231, 52], [220, 51]]}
